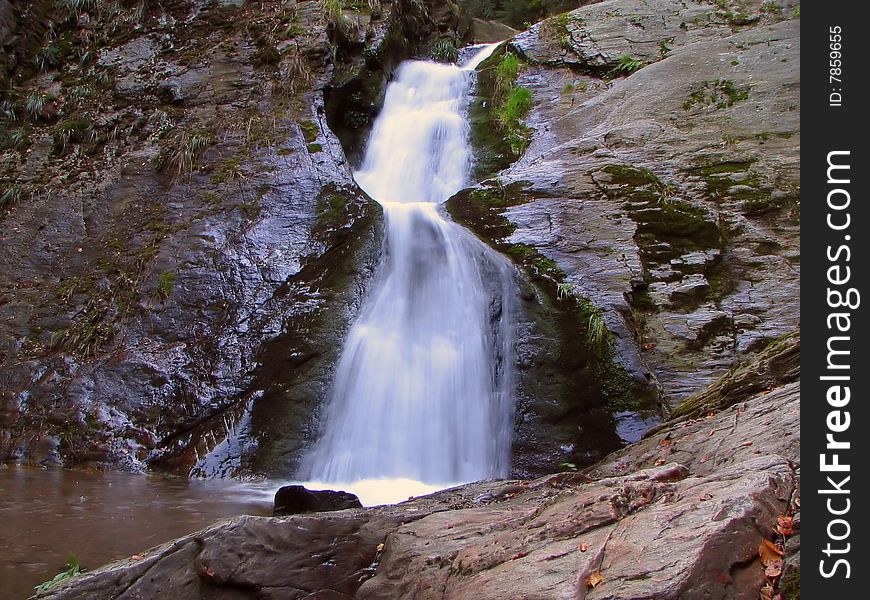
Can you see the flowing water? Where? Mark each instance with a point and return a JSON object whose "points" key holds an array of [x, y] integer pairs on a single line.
{"points": [[422, 396]]}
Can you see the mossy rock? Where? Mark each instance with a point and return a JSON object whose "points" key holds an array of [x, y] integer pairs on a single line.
{"points": [[777, 364]]}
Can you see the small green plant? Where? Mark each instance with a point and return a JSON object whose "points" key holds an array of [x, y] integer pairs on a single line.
{"points": [[14, 140], [180, 153], [165, 284], [564, 290], [772, 7], [73, 131], [510, 115], [35, 104], [664, 49], [796, 11], [597, 333], [48, 57], [506, 72], [314, 148], [445, 51], [627, 65], [73, 569], [8, 110], [13, 194]]}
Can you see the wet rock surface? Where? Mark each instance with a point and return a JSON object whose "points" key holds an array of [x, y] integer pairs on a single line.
{"points": [[186, 245], [661, 177], [677, 520]]}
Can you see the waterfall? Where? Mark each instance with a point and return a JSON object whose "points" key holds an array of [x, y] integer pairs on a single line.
{"points": [[423, 390]]}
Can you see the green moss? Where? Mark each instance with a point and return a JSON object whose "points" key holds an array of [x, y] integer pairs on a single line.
{"points": [[667, 226], [212, 197], [718, 93], [331, 206], [310, 131], [538, 264], [229, 170], [165, 284], [790, 585], [285, 151], [314, 148]]}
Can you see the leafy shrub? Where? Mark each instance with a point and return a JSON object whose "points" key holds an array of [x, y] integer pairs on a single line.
{"points": [[445, 51], [627, 65]]}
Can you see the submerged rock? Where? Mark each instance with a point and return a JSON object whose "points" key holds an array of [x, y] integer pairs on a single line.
{"points": [[297, 499]]}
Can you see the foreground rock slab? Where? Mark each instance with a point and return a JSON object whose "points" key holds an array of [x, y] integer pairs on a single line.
{"points": [[677, 520]]}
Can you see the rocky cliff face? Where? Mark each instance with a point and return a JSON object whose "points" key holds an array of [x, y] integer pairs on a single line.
{"points": [[658, 177], [679, 515], [183, 243]]}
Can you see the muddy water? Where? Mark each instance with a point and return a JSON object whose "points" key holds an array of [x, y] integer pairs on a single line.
{"points": [[47, 514]]}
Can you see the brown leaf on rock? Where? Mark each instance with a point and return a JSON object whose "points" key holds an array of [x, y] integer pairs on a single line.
{"points": [[774, 569], [766, 592], [769, 552], [666, 441], [785, 525], [594, 579], [583, 547]]}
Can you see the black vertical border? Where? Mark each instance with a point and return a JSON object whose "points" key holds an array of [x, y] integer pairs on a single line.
{"points": [[826, 128]]}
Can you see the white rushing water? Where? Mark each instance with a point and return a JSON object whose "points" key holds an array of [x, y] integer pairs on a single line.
{"points": [[422, 397]]}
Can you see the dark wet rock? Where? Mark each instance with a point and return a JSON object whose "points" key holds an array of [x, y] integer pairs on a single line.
{"points": [[297, 499], [179, 275], [682, 520]]}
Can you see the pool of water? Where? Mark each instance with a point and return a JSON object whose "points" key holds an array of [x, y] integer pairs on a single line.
{"points": [[48, 514]]}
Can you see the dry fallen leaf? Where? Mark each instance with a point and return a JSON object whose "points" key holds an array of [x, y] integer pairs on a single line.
{"points": [[209, 571], [137, 557], [380, 547], [583, 547], [705, 458], [594, 579], [774, 569], [519, 555], [769, 552], [660, 462], [746, 444], [666, 441], [766, 592], [784, 525]]}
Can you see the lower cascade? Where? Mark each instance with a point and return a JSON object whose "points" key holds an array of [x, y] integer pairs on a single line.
{"points": [[423, 392]]}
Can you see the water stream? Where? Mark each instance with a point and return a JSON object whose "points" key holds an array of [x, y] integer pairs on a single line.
{"points": [[422, 396]]}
